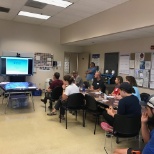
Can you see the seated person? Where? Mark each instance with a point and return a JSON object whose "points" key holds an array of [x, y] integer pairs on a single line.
{"points": [[116, 90], [147, 129], [55, 83], [98, 83], [128, 105], [68, 88], [77, 79], [131, 80]]}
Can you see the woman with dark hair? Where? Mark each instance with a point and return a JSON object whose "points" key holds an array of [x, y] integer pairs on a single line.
{"points": [[131, 80], [116, 90], [68, 88]]}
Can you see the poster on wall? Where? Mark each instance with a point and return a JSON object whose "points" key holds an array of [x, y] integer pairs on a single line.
{"points": [[131, 64], [44, 69], [139, 82], [124, 64], [147, 65], [43, 61], [96, 59], [142, 64], [131, 72], [139, 61]]}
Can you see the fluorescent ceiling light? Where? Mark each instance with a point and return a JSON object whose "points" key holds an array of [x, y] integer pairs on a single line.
{"points": [[60, 3], [33, 15]]}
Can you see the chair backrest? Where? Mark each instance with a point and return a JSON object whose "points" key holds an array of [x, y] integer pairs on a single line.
{"points": [[56, 93], [91, 103], [127, 125], [75, 101]]}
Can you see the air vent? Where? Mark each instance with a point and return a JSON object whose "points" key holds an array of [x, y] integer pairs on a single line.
{"points": [[35, 4], [4, 9]]}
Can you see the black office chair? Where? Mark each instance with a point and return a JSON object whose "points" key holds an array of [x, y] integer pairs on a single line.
{"points": [[54, 95], [74, 102], [92, 107], [124, 127]]}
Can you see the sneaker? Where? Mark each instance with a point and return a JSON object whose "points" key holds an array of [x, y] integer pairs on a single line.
{"points": [[51, 114], [62, 117], [44, 101]]}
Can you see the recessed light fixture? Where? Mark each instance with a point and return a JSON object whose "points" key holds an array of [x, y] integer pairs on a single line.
{"points": [[33, 15], [59, 3]]}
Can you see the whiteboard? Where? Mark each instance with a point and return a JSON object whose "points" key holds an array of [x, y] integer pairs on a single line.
{"points": [[124, 64]]}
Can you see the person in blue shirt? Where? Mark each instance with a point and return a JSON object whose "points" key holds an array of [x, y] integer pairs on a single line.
{"points": [[91, 72], [147, 129], [131, 80]]}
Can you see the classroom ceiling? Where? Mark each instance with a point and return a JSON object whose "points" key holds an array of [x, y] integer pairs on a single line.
{"points": [[61, 17]]}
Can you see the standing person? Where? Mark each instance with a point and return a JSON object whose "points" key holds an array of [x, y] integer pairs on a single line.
{"points": [[55, 83], [147, 129], [68, 88], [116, 90], [128, 105], [90, 72], [98, 83], [77, 79], [131, 80]]}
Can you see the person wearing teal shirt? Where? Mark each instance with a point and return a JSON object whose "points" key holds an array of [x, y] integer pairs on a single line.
{"points": [[90, 72]]}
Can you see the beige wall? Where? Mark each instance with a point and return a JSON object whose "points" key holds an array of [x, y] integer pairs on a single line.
{"points": [[126, 46], [27, 38], [127, 16]]}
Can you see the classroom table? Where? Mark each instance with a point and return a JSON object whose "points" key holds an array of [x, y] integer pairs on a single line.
{"points": [[12, 88]]}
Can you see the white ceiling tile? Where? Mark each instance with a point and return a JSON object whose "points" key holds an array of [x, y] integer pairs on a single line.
{"points": [[62, 17]]}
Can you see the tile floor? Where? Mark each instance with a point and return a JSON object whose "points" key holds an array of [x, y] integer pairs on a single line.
{"points": [[24, 131]]}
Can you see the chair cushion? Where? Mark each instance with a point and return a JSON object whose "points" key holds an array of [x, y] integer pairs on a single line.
{"points": [[105, 126]]}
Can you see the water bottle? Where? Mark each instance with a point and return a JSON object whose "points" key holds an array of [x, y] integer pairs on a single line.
{"points": [[83, 88]]}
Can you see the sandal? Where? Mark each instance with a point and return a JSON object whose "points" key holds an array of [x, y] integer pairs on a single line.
{"points": [[51, 114]]}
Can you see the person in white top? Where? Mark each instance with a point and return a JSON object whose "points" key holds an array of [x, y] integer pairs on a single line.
{"points": [[68, 88]]}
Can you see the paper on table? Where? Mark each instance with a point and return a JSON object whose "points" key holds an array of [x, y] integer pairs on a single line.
{"points": [[105, 96], [110, 96], [98, 92], [105, 100]]}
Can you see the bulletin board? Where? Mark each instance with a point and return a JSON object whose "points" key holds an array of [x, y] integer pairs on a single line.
{"points": [[43, 61], [142, 68]]}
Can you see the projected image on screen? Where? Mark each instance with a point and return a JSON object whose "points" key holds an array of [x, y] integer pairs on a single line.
{"points": [[16, 66]]}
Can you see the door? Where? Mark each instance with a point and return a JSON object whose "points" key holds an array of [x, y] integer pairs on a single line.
{"points": [[111, 62], [83, 64]]}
